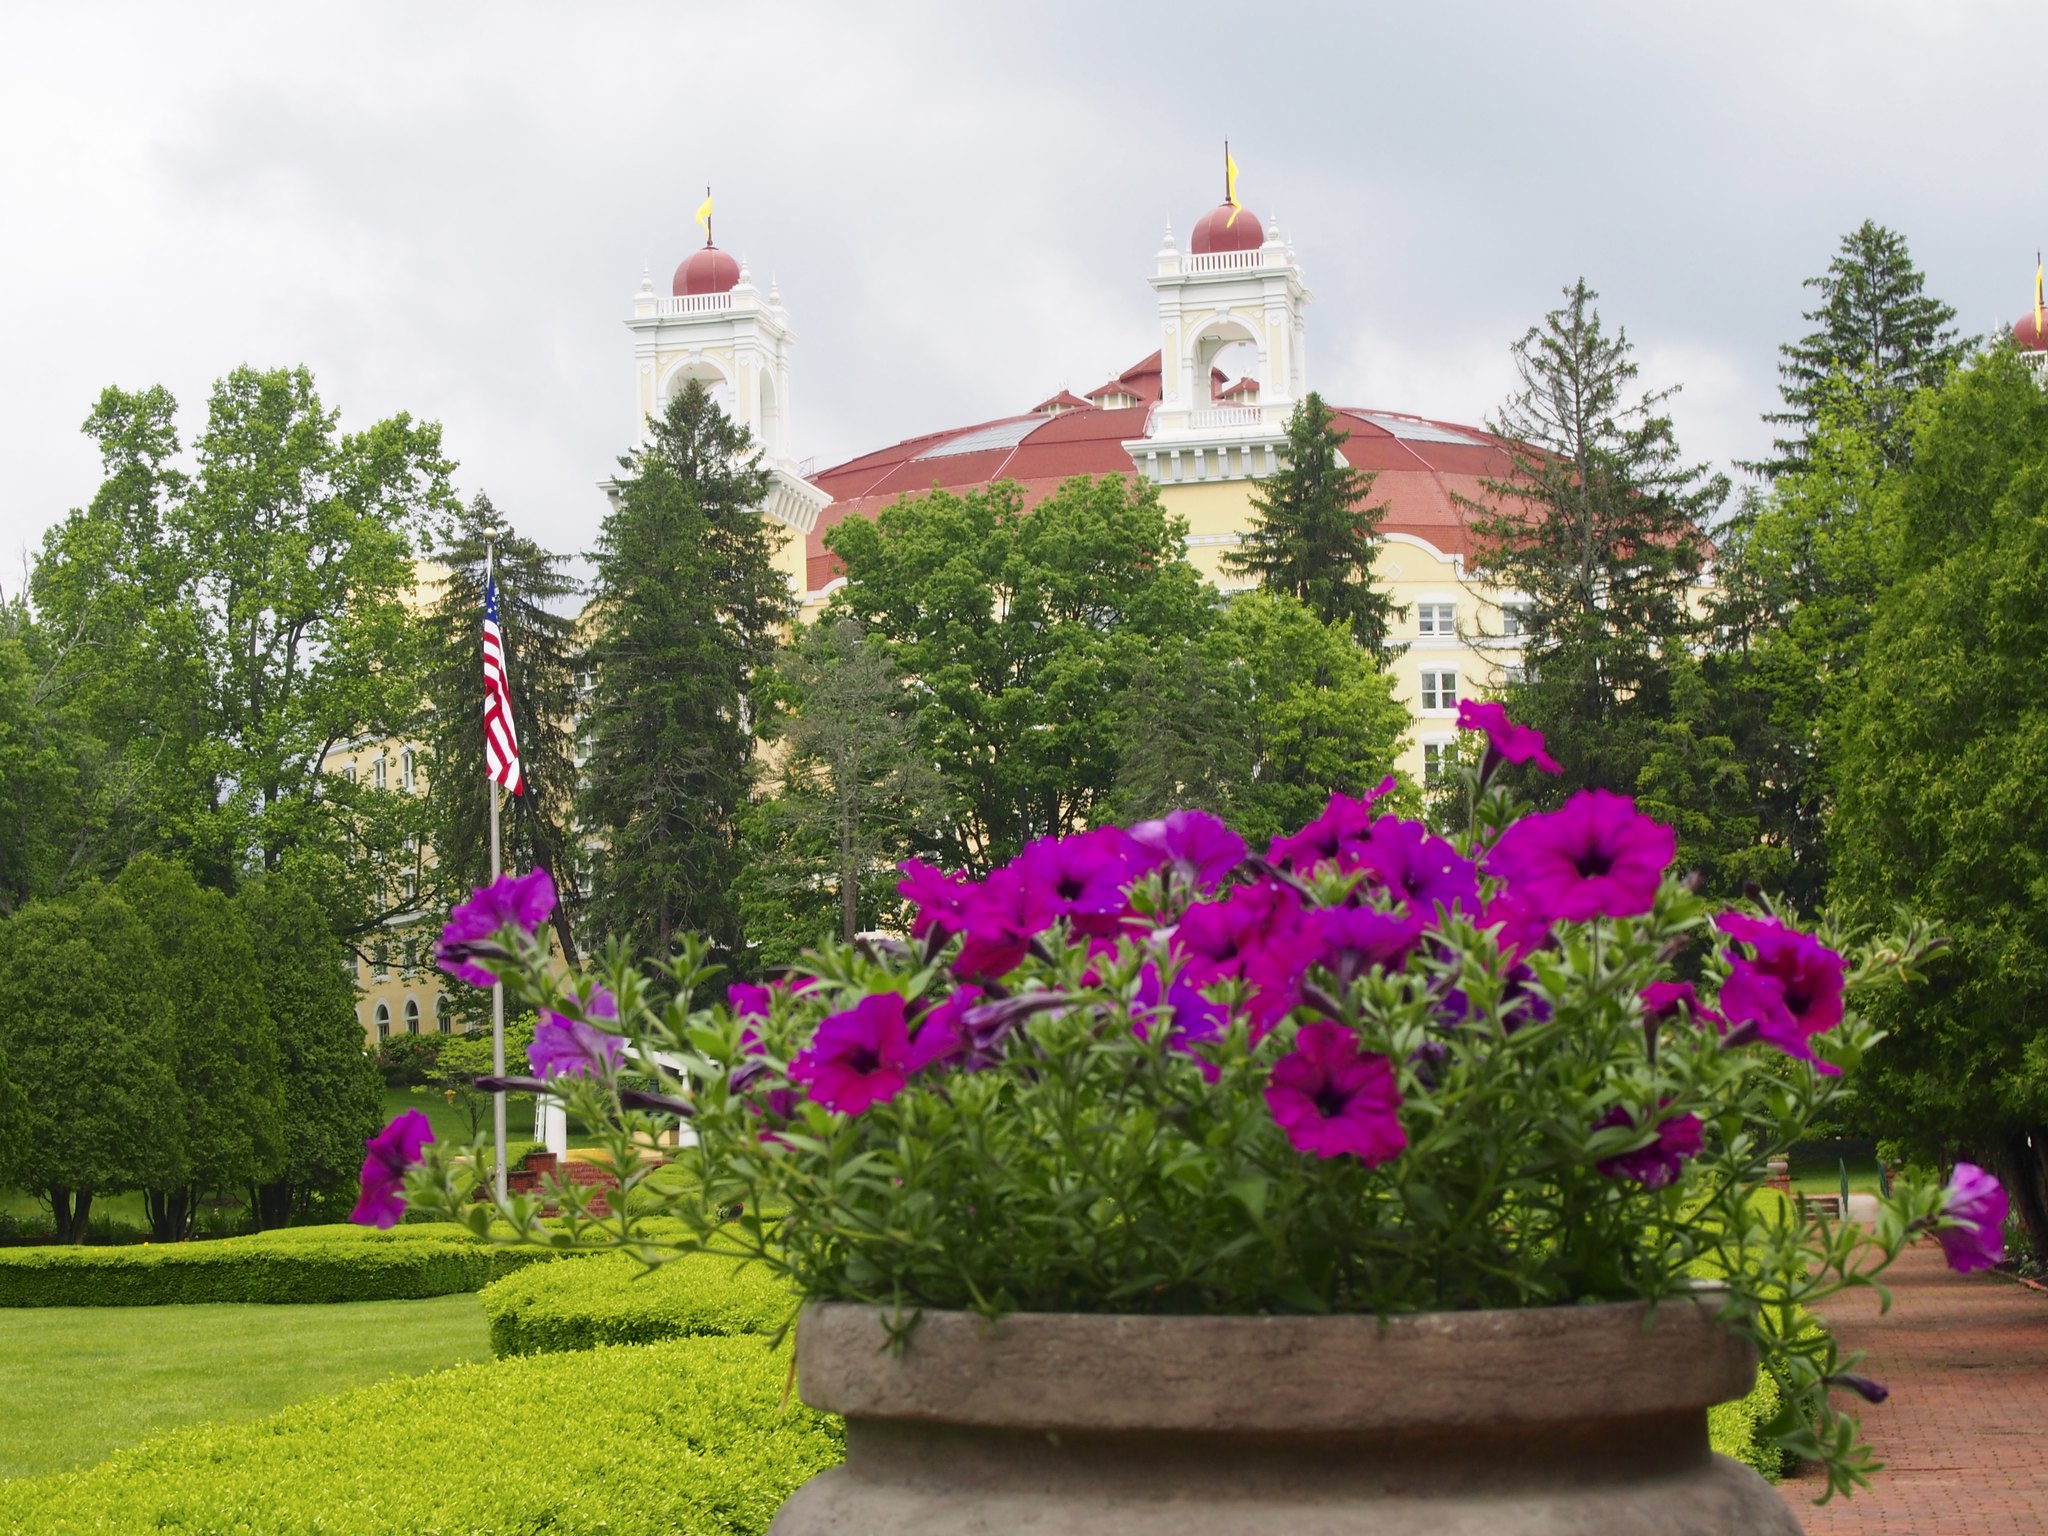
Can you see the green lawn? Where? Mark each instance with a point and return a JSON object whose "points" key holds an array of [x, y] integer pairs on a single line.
{"points": [[1817, 1167], [81, 1382]]}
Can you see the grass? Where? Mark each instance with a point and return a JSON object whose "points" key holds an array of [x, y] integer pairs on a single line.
{"points": [[81, 1382], [1817, 1167]]}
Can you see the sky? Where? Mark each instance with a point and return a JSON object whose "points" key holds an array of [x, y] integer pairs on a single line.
{"points": [[446, 209]]}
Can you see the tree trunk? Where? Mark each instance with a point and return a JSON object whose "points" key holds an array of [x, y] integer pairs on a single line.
{"points": [[272, 1204], [71, 1209], [170, 1213], [2024, 1167]]}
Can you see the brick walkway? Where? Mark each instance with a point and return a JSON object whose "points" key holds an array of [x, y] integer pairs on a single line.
{"points": [[1964, 1436]]}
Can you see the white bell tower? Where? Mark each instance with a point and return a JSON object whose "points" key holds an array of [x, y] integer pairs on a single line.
{"points": [[716, 326], [1238, 292]]}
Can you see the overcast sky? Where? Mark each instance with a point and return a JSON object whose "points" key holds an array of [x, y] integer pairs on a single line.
{"points": [[445, 209]]}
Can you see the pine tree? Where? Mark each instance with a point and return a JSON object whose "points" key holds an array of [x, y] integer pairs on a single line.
{"points": [[1878, 330], [686, 615], [1599, 528], [1312, 531], [541, 646]]}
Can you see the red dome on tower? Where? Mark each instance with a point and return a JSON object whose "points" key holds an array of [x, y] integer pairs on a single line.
{"points": [[1214, 231], [706, 270], [2026, 337]]}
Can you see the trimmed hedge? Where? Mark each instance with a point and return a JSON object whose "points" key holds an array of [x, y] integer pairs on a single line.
{"points": [[1732, 1428], [686, 1438], [293, 1264], [614, 1299]]}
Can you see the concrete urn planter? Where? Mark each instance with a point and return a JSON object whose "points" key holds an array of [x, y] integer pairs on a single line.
{"points": [[1547, 1422]]}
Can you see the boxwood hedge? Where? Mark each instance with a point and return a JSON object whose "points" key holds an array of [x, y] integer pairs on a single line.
{"points": [[687, 1438], [293, 1264], [614, 1299]]}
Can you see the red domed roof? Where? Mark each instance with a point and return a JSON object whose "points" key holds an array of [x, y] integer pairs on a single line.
{"points": [[708, 270], [1214, 231], [2026, 337]]}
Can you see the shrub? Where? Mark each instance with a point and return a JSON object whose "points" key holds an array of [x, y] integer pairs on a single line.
{"points": [[687, 1438], [295, 1264], [1736, 1429], [614, 1299], [407, 1061]]}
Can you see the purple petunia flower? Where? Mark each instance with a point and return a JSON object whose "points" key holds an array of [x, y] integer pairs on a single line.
{"points": [[510, 901], [564, 1047], [858, 1057], [1195, 847], [1001, 917], [1790, 992], [1258, 934], [1355, 939], [940, 898], [1082, 878], [1515, 743], [1521, 928], [942, 1033], [747, 1001], [1422, 869], [391, 1151], [1344, 821], [1977, 1204], [1656, 1165], [1594, 856], [1332, 1099], [1190, 1018], [1665, 1001]]}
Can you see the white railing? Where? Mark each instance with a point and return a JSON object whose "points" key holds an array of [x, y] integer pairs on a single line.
{"points": [[1226, 416], [693, 304], [1224, 261]]}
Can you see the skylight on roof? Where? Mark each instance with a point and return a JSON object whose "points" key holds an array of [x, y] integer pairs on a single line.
{"points": [[1414, 431], [1003, 434]]}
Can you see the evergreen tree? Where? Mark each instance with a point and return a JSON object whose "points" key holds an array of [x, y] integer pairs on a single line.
{"points": [[89, 1043], [854, 795], [541, 646], [687, 611], [1598, 529], [1875, 328], [333, 1098], [229, 1131], [1312, 531]]}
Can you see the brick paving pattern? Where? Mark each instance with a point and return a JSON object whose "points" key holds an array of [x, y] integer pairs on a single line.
{"points": [[1964, 1436]]}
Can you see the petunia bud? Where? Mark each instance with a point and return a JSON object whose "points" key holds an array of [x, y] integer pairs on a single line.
{"points": [[1870, 1391]]}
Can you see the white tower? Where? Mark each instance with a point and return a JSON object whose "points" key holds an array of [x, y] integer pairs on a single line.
{"points": [[1236, 292], [716, 326]]}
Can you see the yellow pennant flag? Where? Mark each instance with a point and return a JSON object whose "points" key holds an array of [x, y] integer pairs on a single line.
{"points": [[1230, 187], [2038, 316], [704, 215]]}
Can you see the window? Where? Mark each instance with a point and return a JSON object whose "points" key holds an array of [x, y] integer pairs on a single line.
{"points": [[1439, 762], [412, 1016], [1514, 620], [444, 1016], [406, 770], [409, 883], [1436, 621], [383, 1022], [1440, 688], [409, 954], [1513, 677], [377, 771], [380, 961], [586, 875]]}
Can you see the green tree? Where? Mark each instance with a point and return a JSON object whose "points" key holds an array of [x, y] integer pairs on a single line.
{"points": [[541, 647], [687, 611], [1259, 720], [1598, 529], [229, 1131], [1942, 784], [852, 797], [48, 825], [332, 1097], [1313, 531], [1021, 632], [88, 1041], [1876, 331]]}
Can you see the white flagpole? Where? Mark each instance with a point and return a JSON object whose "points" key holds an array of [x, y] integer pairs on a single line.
{"points": [[497, 988]]}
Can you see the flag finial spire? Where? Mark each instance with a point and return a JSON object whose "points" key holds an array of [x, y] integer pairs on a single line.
{"points": [[704, 215]]}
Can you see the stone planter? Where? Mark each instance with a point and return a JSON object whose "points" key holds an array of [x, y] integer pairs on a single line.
{"points": [[1546, 1422]]}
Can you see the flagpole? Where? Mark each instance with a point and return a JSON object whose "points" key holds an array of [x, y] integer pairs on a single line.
{"points": [[497, 987]]}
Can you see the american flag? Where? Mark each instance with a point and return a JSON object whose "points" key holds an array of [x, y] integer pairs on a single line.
{"points": [[501, 745]]}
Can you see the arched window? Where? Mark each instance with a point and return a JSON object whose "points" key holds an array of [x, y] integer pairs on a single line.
{"points": [[383, 1022], [444, 1016], [412, 1016], [405, 770], [348, 771]]}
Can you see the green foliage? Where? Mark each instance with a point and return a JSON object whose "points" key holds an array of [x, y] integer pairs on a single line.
{"points": [[408, 1061], [687, 606], [463, 1059], [47, 766], [541, 643], [853, 795], [1877, 330], [292, 1264], [331, 1092], [1737, 1429], [1312, 534], [583, 1423], [1260, 720], [615, 1299], [1022, 632], [1599, 529], [230, 1128], [1943, 785], [87, 1039]]}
